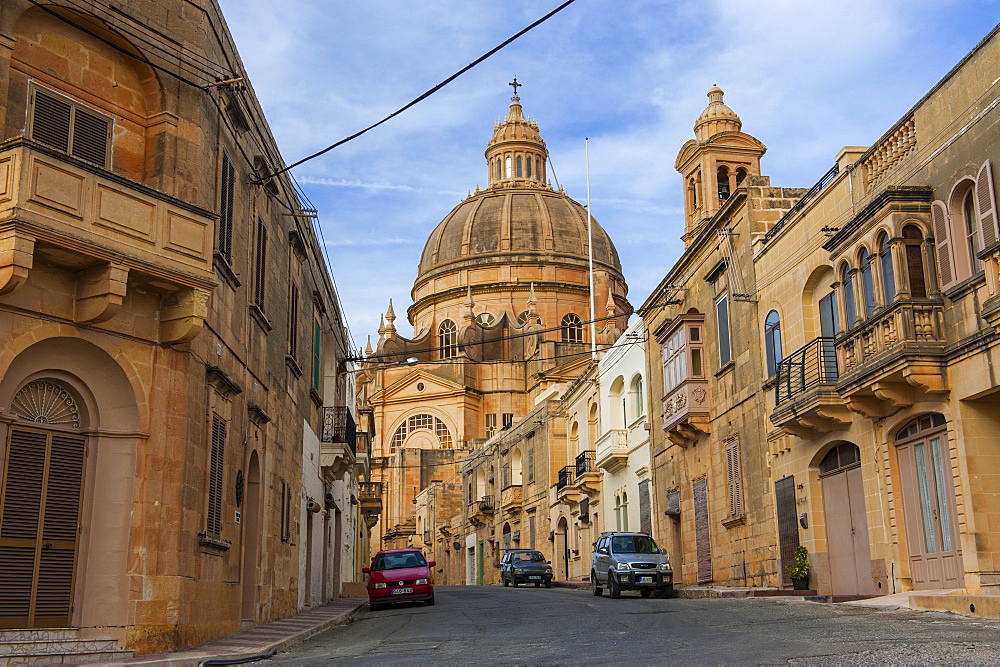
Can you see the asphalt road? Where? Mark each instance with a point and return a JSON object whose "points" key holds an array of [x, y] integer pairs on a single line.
{"points": [[491, 625]]}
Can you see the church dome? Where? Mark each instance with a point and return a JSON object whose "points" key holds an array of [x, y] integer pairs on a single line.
{"points": [[717, 117]]}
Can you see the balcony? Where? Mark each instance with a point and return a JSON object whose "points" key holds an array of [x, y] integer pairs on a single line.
{"points": [[588, 475], [894, 358], [612, 450], [686, 411], [566, 491], [510, 498], [338, 445], [112, 233], [362, 453], [480, 510], [806, 399], [370, 498]]}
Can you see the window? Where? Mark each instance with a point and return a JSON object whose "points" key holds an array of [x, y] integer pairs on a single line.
{"points": [[508, 420], [624, 511], [529, 166], [682, 354], [260, 264], [499, 170], [68, 126], [531, 465], [293, 321], [734, 479], [885, 266], [867, 287], [964, 226], [421, 422], [723, 178], [772, 342], [913, 238], [618, 512], [448, 340], [971, 230], [848, 287], [507, 166], [316, 355], [572, 329], [485, 319], [517, 166], [741, 175], [491, 425], [227, 192], [637, 398], [722, 322], [286, 512], [216, 469]]}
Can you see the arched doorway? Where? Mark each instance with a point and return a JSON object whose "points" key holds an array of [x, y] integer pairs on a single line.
{"points": [[43, 476], [929, 504], [251, 531], [561, 545], [846, 524]]}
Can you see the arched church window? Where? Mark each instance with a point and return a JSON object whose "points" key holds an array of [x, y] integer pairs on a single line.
{"points": [[522, 319], [572, 329], [885, 266], [741, 175], [772, 342], [421, 422], [912, 241], [448, 340], [723, 179], [499, 169], [867, 286], [517, 167], [529, 167], [693, 194]]}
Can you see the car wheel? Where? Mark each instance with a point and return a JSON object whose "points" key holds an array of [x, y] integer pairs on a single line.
{"points": [[668, 591], [645, 592], [513, 582], [430, 603], [548, 584], [505, 582], [595, 585], [614, 590]]}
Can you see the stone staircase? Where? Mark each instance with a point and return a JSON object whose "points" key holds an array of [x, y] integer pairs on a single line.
{"points": [[55, 647]]}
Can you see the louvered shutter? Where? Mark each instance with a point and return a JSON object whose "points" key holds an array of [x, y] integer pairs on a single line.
{"points": [[50, 120], [261, 264], [942, 245], [91, 136], [986, 199], [226, 197], [788, 528], [19, 518], [293, 322], [215, 476], [733, 479], [288, 514], [703, 536]]}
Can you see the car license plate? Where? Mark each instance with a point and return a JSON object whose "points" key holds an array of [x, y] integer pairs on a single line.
{"points": [[534, 577], [645, 580], [397, 591]]}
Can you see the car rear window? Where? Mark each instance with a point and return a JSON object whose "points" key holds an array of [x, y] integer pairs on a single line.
{"points": [[398, 561], [634, 544], [528, 557]]}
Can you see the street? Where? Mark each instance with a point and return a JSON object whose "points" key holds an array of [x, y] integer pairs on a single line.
{"points": [[491, 624]]}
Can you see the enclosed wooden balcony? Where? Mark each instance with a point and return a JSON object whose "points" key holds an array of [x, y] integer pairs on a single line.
{"points": [[611, 450], [110, 231], [894, 358], [806, 399]]}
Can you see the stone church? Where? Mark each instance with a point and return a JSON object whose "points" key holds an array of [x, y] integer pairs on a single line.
{"points": [[501, 318]]}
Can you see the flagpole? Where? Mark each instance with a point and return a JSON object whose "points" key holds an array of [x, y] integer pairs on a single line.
{"points": [[590, 255]]}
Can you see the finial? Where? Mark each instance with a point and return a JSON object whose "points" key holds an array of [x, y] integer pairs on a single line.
{"points": [[390, 317], [381, 326], [515, 85], [469, 304], [368, 347], [531, 295], [611, 305]]}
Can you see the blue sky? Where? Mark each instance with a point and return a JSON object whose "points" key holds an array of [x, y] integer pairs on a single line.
{"points": [[806, 78]]}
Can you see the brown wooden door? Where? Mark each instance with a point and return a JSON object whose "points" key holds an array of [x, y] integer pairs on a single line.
{"points": [[39, 522], [929, 511], [847, 533]]}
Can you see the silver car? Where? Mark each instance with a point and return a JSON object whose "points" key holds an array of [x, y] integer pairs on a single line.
{"points": [[630, 561]]}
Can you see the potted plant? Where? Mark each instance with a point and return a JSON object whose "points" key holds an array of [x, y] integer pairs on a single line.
{"points": [[799, 570]]}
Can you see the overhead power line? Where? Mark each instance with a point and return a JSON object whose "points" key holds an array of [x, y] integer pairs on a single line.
{"points": [[426, 94]]}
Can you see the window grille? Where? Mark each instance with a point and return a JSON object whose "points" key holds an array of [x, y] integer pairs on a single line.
{"points": [[417, 422]]}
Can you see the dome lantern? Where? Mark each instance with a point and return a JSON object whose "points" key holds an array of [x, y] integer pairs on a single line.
{"points": [[717, 117], [516, 154]]}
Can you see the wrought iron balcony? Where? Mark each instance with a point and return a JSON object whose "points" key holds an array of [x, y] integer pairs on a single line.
{"points": [[810, 366], [339, 426], [585, 462], [479, 510], [566, 477], [588, 475]]}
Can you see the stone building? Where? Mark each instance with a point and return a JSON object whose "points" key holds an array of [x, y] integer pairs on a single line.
{"points": [[500, 310], [177, 455], [824, 359]]}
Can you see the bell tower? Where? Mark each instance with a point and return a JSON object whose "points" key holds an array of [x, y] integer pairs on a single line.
{"points": [[715, 163]]}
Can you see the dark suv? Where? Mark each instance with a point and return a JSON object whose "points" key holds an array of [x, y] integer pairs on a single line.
{"points": [[630, 562], [525, 566]]}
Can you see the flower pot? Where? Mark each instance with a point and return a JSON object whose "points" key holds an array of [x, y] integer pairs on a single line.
{"points": [[800, 584]]}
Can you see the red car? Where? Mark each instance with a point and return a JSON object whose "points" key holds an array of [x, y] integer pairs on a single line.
{"points": [[399, 575]]}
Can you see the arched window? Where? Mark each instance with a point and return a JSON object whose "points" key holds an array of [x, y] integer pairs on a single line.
{"points": [[972, 230], [618, 512], [572, 329], [508, 166], [418, 422], [847, 284], [529, 167], [844, 455], [448, 339], [741, 175], [499, 169], [912, 240], [885, 266], [637, 398], [624, 511], [518, 171], [867, 286], [772, 342], [522, 319], [693, 193], [723, 178], [485, 319]]}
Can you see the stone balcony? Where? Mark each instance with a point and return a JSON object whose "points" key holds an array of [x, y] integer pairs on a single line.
{"points": [[686, 411], [510, 498], [894, 358], [370, 499], [612, 450], [113, 233], [479, 511]]}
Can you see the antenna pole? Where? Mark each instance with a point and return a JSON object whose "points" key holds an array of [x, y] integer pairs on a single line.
{"points": [[590, 254]]}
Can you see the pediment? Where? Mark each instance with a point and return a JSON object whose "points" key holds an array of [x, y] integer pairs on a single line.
{"points": [[687, 151], [405, 387]]}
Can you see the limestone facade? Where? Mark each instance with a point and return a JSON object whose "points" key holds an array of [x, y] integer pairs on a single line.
{"points": [[170, 403]]}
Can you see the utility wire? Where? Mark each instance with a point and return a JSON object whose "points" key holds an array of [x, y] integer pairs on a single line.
{"points": [[424, 95]]}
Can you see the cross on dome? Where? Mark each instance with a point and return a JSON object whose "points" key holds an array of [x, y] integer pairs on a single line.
{"points": [[515, 85]]}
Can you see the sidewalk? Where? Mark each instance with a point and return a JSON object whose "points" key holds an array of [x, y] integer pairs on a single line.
{"points": [[262, 640]]}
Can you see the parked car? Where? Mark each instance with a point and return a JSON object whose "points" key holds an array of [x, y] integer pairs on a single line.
{"points": [[399, 575], [525, 566], [630, 561]]}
